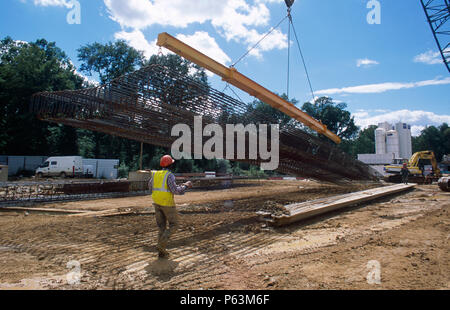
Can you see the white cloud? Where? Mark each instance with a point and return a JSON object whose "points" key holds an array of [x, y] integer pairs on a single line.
{"points": [[88, 81], [66, 3], [235, 20], [140, 14], [365, 63], [416, 130], [382, 87], [206, 44], [137, 40], [275, 40], [429, 57], [418, 119], [270, 1], [200, 40]]}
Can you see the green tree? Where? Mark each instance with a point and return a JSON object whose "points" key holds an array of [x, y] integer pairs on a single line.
{"points": [[445, 134], [363, 144], [179, 65], [257, 108], [86, 143], [63, 141], [110, 60], [436, 139], [25, 69], [334, 115]]}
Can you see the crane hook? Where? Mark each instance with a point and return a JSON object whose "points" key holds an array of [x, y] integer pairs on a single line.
{"points": [[289, 3]]}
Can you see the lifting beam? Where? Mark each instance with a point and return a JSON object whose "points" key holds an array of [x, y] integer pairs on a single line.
{"points": [[232, 76]]}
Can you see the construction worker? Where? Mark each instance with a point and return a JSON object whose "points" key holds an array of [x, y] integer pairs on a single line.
{"points": [[163, 187], [404, 172]]}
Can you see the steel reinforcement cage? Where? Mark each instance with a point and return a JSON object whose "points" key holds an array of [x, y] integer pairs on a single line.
{"points": [[146, 104]]}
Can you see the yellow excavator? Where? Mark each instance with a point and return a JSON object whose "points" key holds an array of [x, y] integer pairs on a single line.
{"points": [[416, 166]]}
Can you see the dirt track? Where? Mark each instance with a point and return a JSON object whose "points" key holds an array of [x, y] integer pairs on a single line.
{"points": [[222, 245]]}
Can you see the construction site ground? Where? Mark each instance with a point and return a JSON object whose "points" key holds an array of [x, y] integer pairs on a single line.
{"points": [[222, 244]]}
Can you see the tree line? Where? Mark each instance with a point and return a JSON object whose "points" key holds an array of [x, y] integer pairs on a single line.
{"points": [[28, 68]]}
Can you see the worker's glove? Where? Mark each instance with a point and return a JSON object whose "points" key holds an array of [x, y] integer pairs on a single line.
{"points": [[188, 184]]}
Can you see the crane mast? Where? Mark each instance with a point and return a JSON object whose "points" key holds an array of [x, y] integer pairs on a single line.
{"points": [[438, 16]]}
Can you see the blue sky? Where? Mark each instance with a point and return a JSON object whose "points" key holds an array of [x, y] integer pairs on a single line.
{"points": [[385, 72]]}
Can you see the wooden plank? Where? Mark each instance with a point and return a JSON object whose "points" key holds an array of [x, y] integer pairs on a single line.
{"points": [[95, 213], [126, 213], [112, 212], [304, 210], [42, 210]]}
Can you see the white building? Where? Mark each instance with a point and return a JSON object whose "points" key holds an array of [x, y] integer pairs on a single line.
{"points": [[391, 143], [393, 140], [404, 138]]}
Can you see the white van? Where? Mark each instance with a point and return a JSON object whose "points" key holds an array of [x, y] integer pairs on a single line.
{"points": [[67, 166]]}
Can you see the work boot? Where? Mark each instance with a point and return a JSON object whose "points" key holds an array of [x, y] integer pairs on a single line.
{"points": [[162, 253]]}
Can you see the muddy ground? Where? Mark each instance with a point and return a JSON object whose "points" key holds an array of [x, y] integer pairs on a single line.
{"points": [[399, 242]]}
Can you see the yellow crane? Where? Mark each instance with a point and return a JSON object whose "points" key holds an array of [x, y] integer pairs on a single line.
{"points": [[232, 76]]}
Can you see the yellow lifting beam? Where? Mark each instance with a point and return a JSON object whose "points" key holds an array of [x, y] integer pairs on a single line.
{"points": [[232, 76]]}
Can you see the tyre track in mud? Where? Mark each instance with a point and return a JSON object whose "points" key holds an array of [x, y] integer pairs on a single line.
{"points": [[210, 250], [195, 252]]}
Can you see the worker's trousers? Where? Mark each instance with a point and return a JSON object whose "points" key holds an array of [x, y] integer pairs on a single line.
{"points": [[167, 221], [405, 179]]}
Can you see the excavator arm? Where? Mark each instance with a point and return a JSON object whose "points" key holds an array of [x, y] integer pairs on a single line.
{"points": [[232, 76], [424, 155], [414, 167]]}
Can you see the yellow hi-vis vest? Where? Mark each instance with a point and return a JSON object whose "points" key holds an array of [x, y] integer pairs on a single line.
{"points": [[161, 193]]}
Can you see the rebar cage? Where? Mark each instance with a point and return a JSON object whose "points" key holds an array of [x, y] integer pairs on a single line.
{"points": [[146, 104]]}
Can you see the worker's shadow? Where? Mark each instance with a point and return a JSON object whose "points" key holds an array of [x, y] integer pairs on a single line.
{"points": [[162, 268]]}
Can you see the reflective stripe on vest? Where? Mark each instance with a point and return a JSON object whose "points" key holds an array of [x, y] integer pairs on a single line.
{"points": [[161, 193]]}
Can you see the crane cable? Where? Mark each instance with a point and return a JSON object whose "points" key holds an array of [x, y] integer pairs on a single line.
{"points": [[232, 90], [291, 23], [301, 54], [289, 55], [257, 43]]}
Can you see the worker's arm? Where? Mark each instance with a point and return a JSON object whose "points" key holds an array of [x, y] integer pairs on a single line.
{"points": [[174, 188], [150, 185]]}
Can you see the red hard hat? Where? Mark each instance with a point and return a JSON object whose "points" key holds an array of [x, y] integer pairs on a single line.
{"points": [[404, 164], [166, 161]]}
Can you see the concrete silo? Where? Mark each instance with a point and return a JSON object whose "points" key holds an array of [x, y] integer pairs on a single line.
{"points": [[392, 143], [380, 141], [404, 136]]}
